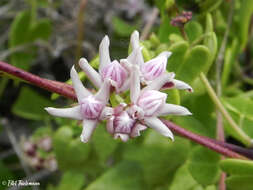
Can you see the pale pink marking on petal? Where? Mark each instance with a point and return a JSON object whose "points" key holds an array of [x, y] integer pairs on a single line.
{"points": [[123, 123], [88, 128], [150, 101], [72, 113], [80, 90], [156, 124], [154, 68], [91, 73], [172, 109], [115, 72], [104, 55], [91, 107]]}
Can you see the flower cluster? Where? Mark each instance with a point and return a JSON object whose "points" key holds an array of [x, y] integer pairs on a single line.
{"points": [[144, 80]]}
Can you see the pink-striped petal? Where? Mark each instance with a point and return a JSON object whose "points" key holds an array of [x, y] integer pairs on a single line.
{"points": [[115, 72], [91, 107], [151, 101]]}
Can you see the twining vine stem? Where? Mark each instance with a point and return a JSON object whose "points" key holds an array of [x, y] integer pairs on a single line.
{"points": [[68, 91]]}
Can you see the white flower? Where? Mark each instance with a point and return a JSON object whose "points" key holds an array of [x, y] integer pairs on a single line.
{"points": [[148, 104], [107, 69], [153, 68], [91, 108]]}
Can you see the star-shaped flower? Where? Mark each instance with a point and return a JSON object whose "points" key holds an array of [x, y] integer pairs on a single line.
{"points": [[107, 69], [90, 109], [149, 103]]}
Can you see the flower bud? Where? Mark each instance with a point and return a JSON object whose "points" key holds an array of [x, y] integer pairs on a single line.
{"points": [[115, 72], [155, 67], [150, 101], [91, 108]]}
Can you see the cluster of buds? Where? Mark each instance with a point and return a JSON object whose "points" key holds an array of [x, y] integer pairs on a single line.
{"points": [[32, 149], [182, 19], [144, 80]]}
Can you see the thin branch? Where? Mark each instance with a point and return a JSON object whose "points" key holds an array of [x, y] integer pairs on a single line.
{"points": [[67, 91], [149, 24], [202, 140], [50, 85]]}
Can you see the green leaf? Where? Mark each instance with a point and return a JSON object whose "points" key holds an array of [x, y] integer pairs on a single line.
{"points": [[183, 180], [245, 13], [71, 180], [166, 29], [203, 165], [209, 5], [239, 182], [122, 28], [41, 30], [5, 175], [176, 59], [30, 105], [196, 61], [156, 168], [229, 60], [19, 34], [103, 143], [237, 167], [124, 176], [65, 145], [193, 30], [193, 124], [211, 40]]}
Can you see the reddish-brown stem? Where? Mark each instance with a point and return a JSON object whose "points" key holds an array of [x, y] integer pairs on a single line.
{"points": [[67, 91], [50, 85], [202, 140]]}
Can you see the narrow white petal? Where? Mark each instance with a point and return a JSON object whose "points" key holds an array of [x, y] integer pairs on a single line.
{"points": [[104, 92], [104, 55], [91, 73], [182, 85], [80, 90], [88, 128], [73, 113], [172, 109], [134, 40], [123, 137], [136, 57], [167, 54], [158, 83], [156, 124], [134, 84]]}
